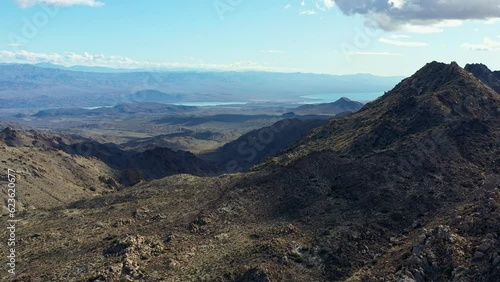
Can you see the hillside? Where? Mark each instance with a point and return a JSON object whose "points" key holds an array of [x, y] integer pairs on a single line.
{"points": [[135, 166], [483, 73], [254, 147], [50, 177], [406, 189], [56, 169]]}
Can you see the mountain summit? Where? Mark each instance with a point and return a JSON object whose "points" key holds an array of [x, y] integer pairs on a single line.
{"points": [[437, 95], [483, 73]]}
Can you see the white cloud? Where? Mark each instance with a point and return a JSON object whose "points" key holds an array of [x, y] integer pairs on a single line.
{"points": [[492, 21], [374, 54], [420, 28], [307, 12], [59, 3], [426, 26], [402, 43], [449, 23], [14, 44], [86, 59], [312, 7], [398, 4], [398, 36], [324, 5], [488, 44], [328, 4]]}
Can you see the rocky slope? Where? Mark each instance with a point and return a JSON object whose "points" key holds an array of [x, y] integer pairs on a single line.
{"points": [[404, 190], [254, 147], [48, 177], [483, 73], [56, 169], [135, 166]]}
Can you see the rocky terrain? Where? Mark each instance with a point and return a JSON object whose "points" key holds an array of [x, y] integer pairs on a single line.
{"points": [[406, 189], [483, 73], [257, 145], [50, 177]]}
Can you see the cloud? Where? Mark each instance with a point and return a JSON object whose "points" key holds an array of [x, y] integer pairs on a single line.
{"points": [[408, 15], [374, 54], [397, 36], [328, 4], [488, 44], [492, 21], [313, 7], [14, 44], [402, 43], [59, 3], [324, 5], [307, 12], [86, 59]]}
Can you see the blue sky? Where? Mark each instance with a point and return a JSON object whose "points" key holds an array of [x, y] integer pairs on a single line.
{"points": [[319, 36]]}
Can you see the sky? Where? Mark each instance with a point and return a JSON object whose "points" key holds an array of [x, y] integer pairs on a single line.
{"points": [[383, 37]]}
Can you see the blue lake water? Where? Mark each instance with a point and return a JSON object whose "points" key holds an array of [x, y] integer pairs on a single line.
{"points": [[208, 104], [98, 107], [307, 99], [332, 97], [194, 104]]}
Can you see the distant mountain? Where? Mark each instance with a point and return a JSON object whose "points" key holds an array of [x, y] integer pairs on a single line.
{"points": [[125, 108], [84, 68], [483, 73], [339, 106], [154, 96], [29, 86]]}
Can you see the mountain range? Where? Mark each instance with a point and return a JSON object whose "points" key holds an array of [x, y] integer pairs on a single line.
{"points": [[29, 86], [405, 189]]}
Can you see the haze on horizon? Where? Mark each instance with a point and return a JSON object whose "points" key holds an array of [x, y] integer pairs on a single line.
{"points": [[317, 36]]}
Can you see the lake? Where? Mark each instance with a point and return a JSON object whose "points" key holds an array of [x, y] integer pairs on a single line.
{"points": [[208, 104]]}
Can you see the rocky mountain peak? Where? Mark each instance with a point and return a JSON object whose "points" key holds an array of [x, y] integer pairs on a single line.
{"points": [[344, 99], [443, 89], [477, 68], [8, 131], [483, 73], [435, 97], [432, 77]]}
